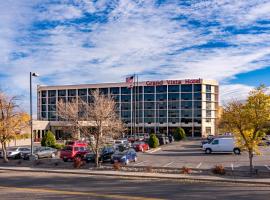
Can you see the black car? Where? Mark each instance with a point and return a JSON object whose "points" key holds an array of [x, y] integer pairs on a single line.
{"points": [[163, 139], [105, 155]]}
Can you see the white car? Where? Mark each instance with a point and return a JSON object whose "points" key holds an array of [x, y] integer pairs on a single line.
{"points": [[16, 152], [222, 145]]}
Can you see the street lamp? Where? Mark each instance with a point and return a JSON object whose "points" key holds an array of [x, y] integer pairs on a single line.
{"points": [[31, 114]]}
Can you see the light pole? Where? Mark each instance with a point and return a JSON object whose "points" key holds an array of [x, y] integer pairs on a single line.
{"points": [[31, 114]]}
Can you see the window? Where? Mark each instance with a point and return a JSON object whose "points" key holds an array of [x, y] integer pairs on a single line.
{"points": [[114, 90], [44, 93], [148, 97], [149, 113], [43, 100], [52, 107], [52, 100], [61, 93], [173, 105], [125, 90], [208, 88], [215, 142], [115, 98], [186, 96], [186, 88], [208, 113], [173, 113], [208, 130], [197, 104], [149, 89], [161, 97], [161, 89], [104, 90], [173, 96], [197, 88], [197, 96], [208, 105], [72, 92], [186, 104], [125, 98], [149, 105], [208, 96], [82, 92], [197, 120], [173, 88], [44, 108], [91, 90], [186, 114], [197, 113], [52, 93]]}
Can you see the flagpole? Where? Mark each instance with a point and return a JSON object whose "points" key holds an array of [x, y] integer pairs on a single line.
{"points": [[138, 105]]}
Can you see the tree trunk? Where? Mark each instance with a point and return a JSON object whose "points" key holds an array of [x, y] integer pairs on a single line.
{"points": [[250, 161], [97, 152], [4, 150]]}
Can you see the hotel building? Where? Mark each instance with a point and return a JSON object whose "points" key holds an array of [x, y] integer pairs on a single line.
{"points": [[161, 106]]}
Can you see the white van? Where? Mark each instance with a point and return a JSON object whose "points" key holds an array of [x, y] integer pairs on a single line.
{"points": [[222, 144]]}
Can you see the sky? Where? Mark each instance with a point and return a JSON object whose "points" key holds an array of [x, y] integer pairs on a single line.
{"points": [[96, 41]]}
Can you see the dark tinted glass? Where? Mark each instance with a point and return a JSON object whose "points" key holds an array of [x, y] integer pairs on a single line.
{"points": [[82, 92], [208, 96], [186, 113], [52, 100], [51, 93], [161, 97], [125, 98], [149, 97], [104, 90], [72, 92], [44, 93], [61, 93], [186, 104], [186, 96], [208, 88], [197, 96], [173, 88], [161, 89], [186, 88], [149, 105], [125, 90], [173, 96], [114, 90], [197, 88], [149, 89]]}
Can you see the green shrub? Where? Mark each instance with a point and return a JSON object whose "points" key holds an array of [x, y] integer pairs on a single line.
{"points": [[58, 146], [179, 134], [48, 140], [153, 141]]}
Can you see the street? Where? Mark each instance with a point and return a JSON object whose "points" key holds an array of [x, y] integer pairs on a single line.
{"points": [[31, 185]]}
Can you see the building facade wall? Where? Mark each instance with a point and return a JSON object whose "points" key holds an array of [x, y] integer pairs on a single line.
{"points": [[161, 106]]}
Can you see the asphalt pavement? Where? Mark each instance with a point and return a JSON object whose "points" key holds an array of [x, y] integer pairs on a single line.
{"points": [[31, 185], [190, 154]]}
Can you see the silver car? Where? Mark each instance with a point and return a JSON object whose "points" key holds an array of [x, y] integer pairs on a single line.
{"points": [[41, 152], [16, 152]]}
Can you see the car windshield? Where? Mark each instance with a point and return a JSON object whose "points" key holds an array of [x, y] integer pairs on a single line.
{"points": [[210, 141], [118, 142]]}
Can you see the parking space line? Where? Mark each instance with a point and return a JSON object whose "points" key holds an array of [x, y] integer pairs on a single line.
{"points": [[198, 166], [139, 163], [267, 167], [232, 166], [167, 165]]}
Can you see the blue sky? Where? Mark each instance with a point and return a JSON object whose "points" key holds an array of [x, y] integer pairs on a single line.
{"points": [[89, 41]]}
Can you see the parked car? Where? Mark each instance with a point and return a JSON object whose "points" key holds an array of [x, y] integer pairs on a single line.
{"points": [[74, 149], [41, 152], [124, 157], [206, 141], [223, 144], [123, 142], [16, 152], [265, 141], [163, 139], [140, 146], [105, 155]]}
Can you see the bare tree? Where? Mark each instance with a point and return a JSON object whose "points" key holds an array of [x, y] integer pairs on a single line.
{"points": [[96, 120], [12, 121]]}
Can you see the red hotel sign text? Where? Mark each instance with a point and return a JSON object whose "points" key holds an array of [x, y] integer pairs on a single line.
{"points": [[174, 82]]}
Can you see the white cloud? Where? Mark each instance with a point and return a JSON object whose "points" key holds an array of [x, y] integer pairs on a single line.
{"points": [[134, 36]]}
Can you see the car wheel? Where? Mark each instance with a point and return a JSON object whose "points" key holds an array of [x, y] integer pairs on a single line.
{"points": [[135, 159], [208, 151], [127, 162], [65, 159], [236, 151], [53, 155]]}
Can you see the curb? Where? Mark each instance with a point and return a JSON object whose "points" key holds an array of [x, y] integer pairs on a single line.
{"points": [[145, 175]]}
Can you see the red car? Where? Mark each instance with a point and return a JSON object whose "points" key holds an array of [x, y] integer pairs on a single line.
{"points": [[140, 146], [74, 149]]}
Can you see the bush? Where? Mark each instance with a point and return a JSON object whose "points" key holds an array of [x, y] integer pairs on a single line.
{"points": [[48, 140], [219, 169], [117, 166], [58, 146], [186, 170], [78, 163], [153, 141], [179, 134]]}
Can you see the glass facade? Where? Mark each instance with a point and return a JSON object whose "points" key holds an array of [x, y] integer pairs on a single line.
{"points": [[161, 108]]}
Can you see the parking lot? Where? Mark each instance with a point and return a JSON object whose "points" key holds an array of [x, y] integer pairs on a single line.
{"points": [[190, 154]]}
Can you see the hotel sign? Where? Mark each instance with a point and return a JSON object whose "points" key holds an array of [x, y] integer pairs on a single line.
{"points": [[174, 82]]}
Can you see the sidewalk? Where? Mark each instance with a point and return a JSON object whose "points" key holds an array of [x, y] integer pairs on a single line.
{"points": [[265, 181]]}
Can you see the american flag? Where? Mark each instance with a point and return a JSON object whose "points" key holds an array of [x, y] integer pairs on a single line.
{"points": [[129, 79]]}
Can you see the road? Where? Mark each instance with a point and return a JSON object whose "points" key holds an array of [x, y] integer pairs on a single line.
{"points": [[31, 185]]}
